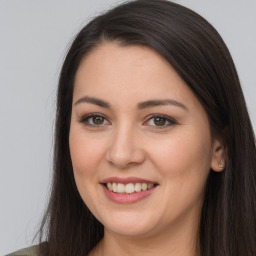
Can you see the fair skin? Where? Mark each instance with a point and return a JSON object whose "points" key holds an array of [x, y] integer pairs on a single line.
{"points": [[147, 124]]}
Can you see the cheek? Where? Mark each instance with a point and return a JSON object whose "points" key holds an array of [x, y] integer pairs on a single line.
{"points": [[183, 163], [189, 147], [183, 159], [86, 153], [86, 156]]}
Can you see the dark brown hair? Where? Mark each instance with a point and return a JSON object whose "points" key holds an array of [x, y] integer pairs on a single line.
{"points": [[199, 55]]}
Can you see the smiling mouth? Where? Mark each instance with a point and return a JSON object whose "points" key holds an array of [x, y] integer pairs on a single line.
{"points": [[129, 188]]}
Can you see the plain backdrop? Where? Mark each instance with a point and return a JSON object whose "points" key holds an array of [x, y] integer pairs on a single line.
{"points": [[34, 37]]}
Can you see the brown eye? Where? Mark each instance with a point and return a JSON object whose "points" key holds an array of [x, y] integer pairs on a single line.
{"points": [[95, 121], [98, 120], [159, 121]]}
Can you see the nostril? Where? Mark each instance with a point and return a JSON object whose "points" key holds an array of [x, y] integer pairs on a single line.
{"points": [[124, 156]]}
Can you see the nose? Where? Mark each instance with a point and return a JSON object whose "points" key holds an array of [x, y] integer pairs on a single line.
{"points": [[125, 149]]}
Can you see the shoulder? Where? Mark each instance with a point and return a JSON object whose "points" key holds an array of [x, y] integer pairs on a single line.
{"points": [[30, 251]]}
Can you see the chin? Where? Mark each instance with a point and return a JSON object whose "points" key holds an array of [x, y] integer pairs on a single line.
{"points": [[127, 224], [128, 230]]}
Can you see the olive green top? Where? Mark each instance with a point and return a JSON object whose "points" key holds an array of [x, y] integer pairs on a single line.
{"points": [[30, 251]]}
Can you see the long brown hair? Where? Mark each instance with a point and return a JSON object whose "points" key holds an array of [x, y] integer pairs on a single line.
{"points": [[199, 55]]}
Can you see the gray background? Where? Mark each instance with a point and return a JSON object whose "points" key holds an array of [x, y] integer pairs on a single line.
{"points": [[34, 36]]}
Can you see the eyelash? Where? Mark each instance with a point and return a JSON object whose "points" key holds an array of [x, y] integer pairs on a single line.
{"points": [[170, 121], [85, 120]]}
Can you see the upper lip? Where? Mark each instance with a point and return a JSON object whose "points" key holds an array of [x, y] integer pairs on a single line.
{"points": [[127, 180]]}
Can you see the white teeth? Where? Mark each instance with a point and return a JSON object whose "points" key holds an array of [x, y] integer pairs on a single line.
{"points": [[129, 188], [150, 186], [137, 187], [120, 188], [144, 186], [114, 187], [109, 186]]}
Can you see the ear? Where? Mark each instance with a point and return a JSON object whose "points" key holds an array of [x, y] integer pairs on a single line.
{"points": [[218, 156]]}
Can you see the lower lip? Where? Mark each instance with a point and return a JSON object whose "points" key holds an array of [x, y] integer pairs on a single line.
{"points": [[127, 198]]}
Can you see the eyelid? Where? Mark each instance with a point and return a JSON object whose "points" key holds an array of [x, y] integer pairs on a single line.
{"points": [[85, 118], [170, 120]]}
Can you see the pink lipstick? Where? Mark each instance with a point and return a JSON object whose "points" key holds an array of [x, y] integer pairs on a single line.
{"points": [[127, 190]]}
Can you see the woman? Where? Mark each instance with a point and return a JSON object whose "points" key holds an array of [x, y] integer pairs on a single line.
{"points": [[154, 149]]}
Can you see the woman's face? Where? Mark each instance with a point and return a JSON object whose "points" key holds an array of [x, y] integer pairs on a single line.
{"points": [[138, 129]]}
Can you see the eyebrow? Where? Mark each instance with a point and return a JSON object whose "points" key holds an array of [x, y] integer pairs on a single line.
{"points": [[94, 101], [142, 105], [154, 103]]}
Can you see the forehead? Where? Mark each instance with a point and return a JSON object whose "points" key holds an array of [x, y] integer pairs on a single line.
{"points": [[113, 56], [117, 72]]}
